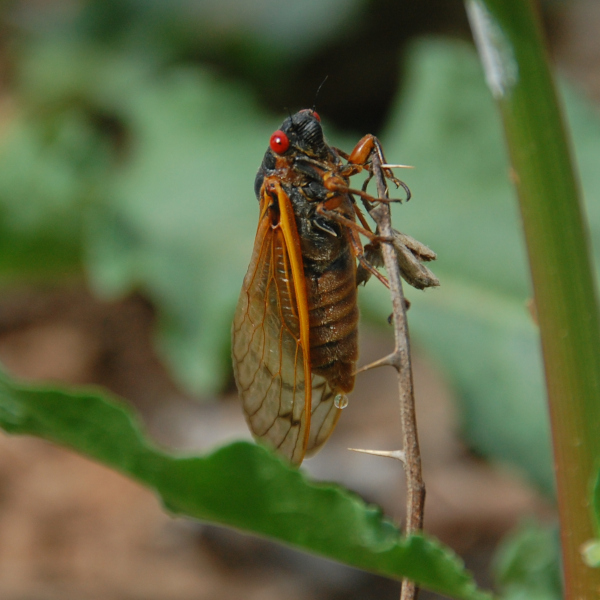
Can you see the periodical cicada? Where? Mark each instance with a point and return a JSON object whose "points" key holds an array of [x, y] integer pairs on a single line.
{"points": [[294, 335]]}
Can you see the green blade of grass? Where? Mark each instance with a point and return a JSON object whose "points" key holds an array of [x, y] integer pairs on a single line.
{"points": [[512, 51]]}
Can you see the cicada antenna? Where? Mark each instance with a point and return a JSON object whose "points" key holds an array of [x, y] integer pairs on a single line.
{"points": [[318, 90]]}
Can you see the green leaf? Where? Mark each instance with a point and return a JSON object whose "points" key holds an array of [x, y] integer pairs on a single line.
{"points": [[528, 564], [241, 485]]}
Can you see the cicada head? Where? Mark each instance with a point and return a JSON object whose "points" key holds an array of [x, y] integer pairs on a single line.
{"points": [[302, 133]]}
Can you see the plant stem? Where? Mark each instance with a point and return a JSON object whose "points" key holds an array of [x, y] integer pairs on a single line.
{"points": [[511, 48], [401, 361]]}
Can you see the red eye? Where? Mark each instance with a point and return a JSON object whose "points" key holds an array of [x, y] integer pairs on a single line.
{"points": [[279, 142], [316, 115]]}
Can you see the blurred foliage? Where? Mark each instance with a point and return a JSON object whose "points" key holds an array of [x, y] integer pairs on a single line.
{"points": [[478, 323], [242, 485], [528, 564], [129, 154]]}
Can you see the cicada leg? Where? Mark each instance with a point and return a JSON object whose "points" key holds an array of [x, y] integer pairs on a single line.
{"points": [[336, 182], [354, 229], [358, 160]]}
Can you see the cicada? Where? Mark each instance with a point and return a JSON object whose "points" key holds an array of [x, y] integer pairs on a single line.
{"points": [[295, 339]]}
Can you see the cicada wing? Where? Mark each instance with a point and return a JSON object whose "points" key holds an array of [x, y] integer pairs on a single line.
{"points": [[268, 346], [324, 414]]}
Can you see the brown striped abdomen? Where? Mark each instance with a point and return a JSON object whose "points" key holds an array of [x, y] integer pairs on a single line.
{"points": [[333, 320]]}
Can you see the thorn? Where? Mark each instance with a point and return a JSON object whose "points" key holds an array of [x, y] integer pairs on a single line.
{"points": [[397, 454], [397, 166], [391, 360]]}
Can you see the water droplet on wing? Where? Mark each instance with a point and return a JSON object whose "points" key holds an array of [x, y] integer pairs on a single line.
{"points": [[341, 401]]}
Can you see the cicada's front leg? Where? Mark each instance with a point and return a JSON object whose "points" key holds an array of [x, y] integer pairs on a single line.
{"points": [[359, 160], [328, 209]]}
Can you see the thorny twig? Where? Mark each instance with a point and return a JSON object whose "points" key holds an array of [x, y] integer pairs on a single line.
{"points": [[401, 361]]}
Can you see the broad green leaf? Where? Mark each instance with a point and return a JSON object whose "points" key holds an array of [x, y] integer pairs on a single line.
{"points": [[528, 564], [241, 485]]}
